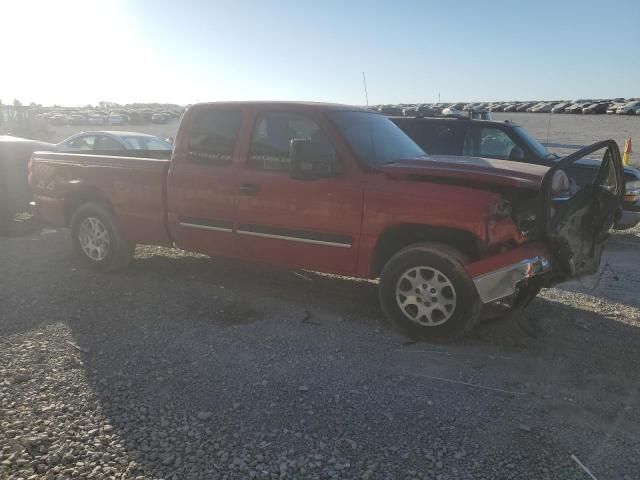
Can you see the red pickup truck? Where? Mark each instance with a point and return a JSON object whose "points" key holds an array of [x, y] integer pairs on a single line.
{"points": [[342, 190]]}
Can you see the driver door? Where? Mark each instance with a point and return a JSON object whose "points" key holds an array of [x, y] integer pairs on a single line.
{"points": [[312, 224], [578, 226]]}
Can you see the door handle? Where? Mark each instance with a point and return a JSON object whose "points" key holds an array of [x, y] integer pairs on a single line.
{"points": [[248, 189]]}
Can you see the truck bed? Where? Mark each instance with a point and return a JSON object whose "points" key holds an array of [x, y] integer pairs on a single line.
{"points": [[134, 186]]}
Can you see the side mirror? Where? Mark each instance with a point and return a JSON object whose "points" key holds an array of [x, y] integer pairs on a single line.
{"points": [[310, 161], [516, 154]]}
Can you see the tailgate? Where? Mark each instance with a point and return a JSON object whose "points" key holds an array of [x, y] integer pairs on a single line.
{"points": [[578, 225]]}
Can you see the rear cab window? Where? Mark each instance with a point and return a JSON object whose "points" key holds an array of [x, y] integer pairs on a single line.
{"points": [[213, 136]]}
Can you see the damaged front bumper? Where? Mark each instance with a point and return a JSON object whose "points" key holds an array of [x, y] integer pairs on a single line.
{"points": [[572, 232], [498, 277]]}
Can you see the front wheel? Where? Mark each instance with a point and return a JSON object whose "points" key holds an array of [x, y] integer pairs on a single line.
{"points": [[97, 238], [427, 294]]}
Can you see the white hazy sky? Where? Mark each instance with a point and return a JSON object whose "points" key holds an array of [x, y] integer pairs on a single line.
{"points": [[74, 52]]}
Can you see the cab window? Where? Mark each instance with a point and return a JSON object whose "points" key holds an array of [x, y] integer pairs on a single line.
{"points": [[272, 135], [487, 142]]}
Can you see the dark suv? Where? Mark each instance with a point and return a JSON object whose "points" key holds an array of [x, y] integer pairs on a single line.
{"points": [[508, 141]]}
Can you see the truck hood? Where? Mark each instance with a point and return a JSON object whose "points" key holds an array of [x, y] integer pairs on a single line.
{"points": [[470, 170]]}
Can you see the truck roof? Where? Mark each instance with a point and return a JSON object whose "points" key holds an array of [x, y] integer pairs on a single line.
{"points": [[293, 105], [455, 120]]}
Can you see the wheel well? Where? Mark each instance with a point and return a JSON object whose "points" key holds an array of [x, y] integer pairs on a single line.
{"points": [[398, 237], [76, 199]]}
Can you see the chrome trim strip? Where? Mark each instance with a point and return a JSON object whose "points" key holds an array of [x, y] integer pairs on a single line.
{"points": [[294, 239], [205, 227], [502, 282]]}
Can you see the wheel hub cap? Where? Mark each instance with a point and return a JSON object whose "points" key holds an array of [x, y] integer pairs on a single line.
{"points": [[94, 239], [426, 296]]}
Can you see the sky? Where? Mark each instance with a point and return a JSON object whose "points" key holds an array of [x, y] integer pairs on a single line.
{"points": [[77, 52]]}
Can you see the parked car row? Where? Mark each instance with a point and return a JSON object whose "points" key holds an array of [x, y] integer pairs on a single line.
{"points": [[618, 106], [116, 117]]}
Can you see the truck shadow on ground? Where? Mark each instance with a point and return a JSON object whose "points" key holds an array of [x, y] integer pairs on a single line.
{"points": [[246, 282], [153, 403], [177, 336]]}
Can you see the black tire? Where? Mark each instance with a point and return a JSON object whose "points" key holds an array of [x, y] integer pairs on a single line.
{"points": [[631, 112], [116, 253], [446, 260]]}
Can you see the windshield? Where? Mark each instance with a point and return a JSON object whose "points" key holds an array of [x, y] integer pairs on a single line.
{"points": [[374, 138], [532, 142], [146, 143]]}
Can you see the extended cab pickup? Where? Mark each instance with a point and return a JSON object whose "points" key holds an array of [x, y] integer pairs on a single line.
{"points": [[341, 190]]}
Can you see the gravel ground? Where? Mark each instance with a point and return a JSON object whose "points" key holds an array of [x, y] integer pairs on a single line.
{"points": [[197, 368]]}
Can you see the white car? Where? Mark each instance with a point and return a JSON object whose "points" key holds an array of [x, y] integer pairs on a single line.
{"points": [[112, 140], [455, 112], [613, 108], [631, 108]]}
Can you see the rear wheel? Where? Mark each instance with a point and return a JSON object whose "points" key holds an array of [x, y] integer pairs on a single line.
{"points": [[97, 238], [427, 294]]}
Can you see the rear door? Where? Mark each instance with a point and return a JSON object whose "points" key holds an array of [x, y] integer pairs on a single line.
{"points": [[201, 181], [577, 226], [313, 224]]}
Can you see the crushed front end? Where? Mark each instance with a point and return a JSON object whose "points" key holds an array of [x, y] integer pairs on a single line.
{"points": [[562, 232]]}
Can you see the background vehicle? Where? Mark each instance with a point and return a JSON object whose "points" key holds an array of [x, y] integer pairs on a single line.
{"points": [[96, 119], [577, 107], [613, 108], [341, 190], [113, 141], [535, 107], [508, 141], [115, 119], [77, 119], [560, 107], [390, 110], [497, 107], [523, 106], [454, 112], [596, 108], [426, 111], [545, 107], [159, 118], [631, 108]]}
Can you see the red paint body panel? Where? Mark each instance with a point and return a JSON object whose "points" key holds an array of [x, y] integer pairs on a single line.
{"points": [[151, 198], [134, 187], [471, 169]]}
